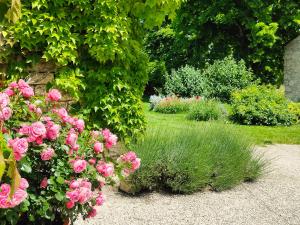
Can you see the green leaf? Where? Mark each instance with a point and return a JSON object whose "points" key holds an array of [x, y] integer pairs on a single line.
{"points": [[59, 196], [60, 180]]}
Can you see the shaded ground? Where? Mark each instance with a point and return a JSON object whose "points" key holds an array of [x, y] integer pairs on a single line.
{"points": [[274, 199]]}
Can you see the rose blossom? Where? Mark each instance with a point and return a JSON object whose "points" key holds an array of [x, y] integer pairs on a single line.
{"points": [[19, 146], [135, 164], [23, 184], [72, 138], [79, 124], [63, 114], [54, 95], [47, 154], [92, 213], [52, 131], [18, 197], [6, 113], [73, 195], [92, 161], [38, 129], [44, 183], [106, 169], [4, 189], [70, 204], [98, 147], [74, 184], [79, 165], [85, 194], [13, 85], [27, 92], [9, 92], [4, 100], [100, 199], [22, 84]]}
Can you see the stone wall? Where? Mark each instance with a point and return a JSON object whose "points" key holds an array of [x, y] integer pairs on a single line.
{"points": [[292, 70]]}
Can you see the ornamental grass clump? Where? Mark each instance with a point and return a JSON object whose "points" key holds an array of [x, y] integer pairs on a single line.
{"points": [[184, 161], [205, 110], [52, 168]]}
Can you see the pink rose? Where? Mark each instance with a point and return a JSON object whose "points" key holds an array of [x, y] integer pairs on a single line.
{"points": [[100, 199], [4, 100], [70, 204], [38, 129], [73, 195], [106, 169], [86, 184], [19, 146], [9, 92], [6, 113], [79, 124], [4, 189], [74, 184], [23, 184], [22, 84], [18, 197], [63, 114], [47, 154], [129, 156], [71, 138], [13, 85], [135, 164], [44, 183], [54, 95], [98, 147], [27, 92], [79, 165], [92, 213], [52, 131], [85, 194], [92, 161]]}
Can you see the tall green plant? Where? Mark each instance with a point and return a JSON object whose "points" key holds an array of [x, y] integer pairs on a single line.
{"points": [[102, 40]]}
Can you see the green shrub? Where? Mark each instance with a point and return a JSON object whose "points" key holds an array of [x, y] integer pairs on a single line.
{"points": [[294, 107], [185, 82], [193, 159], [261, 105], [205, 110], [157, 71], [173, 105], [225, 76]]}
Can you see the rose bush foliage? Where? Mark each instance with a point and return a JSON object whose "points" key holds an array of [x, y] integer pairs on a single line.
{"points": [[63, 165]]}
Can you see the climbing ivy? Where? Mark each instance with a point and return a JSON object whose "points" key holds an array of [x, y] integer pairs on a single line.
{"points": [[97, 44]]}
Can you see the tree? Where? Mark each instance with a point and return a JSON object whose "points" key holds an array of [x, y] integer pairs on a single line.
{"points": [[97, 48], [254, 30]]}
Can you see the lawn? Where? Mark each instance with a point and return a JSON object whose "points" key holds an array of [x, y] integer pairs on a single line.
{"points": [[259, 134]]}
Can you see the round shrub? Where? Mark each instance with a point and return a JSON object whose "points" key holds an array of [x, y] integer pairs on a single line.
{"points": [[261, 105], [185, 82], [204, 111], [225, 76], [294, 107], [194, 158]]}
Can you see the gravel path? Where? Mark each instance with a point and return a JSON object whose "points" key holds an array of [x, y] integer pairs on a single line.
{"points": [[274, 200]]}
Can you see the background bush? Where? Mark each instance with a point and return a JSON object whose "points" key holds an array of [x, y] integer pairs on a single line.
{"points": [[185, 82], [192, 159], [294, 108], [225, 76], [205, 110], [261, 105]]}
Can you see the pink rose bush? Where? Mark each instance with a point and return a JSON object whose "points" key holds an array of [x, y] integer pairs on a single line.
{"points": [[63, 166]]}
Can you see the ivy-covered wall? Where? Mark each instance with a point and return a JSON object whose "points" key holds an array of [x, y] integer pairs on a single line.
{"points": [[97, 48]]}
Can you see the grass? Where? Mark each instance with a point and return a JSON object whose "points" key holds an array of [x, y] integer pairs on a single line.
{"points": [[260, 135], [191, 159]]}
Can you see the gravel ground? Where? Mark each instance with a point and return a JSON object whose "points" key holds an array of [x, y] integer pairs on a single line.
{"points": [[274, 200]]}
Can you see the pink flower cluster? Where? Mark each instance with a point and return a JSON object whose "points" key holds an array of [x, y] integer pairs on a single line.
{"points": [[131, 159], [19, 195], [53, 95], [79, 165], [105, 169], [5, 111], [47, 154], [77, 124], [80, 191], [110, 138], [19, 147], [36, 132]]}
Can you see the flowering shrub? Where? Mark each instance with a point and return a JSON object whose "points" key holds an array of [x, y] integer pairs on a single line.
{"points": [[63, 165], [173, 104]]}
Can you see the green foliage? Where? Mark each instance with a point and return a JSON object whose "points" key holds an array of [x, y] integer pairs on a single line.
{"points": [[192, 159], [204, 111], [100, 40], [225, 76], [157, 71], [253, 30], [185, 82], [294, 108], [261, 105]]}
